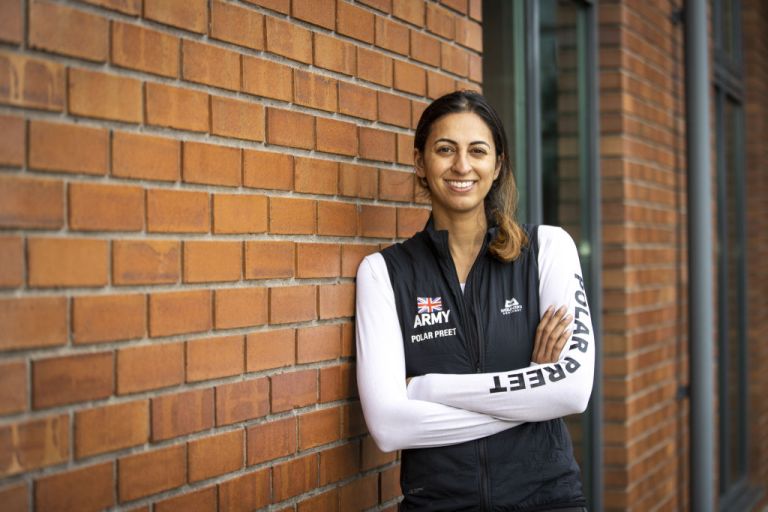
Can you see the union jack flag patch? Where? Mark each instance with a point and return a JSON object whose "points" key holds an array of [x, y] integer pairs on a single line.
{"points": [[429, 304]]}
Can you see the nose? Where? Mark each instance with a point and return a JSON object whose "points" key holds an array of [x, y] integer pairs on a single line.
{"points": [[461, 163]]}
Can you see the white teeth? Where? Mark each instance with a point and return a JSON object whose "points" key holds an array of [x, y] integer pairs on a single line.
{"points": [[460, 184]]}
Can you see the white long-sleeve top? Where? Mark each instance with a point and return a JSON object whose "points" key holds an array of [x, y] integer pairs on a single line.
{"points": [[443, 409]]}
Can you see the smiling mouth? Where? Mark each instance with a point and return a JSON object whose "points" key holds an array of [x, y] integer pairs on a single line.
{"points": [[460, 184]]}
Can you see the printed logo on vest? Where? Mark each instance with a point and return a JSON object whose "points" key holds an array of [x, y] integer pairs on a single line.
{"points": [[430, 312], [511, 306]]}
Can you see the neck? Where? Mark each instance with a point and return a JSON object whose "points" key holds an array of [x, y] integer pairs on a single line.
{"points": [[465, 237]]}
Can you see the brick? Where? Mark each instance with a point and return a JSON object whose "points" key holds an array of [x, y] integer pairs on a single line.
{"points": [[151, 472], [270, 349], [237, 25], [404, 149], [337, 383], [394, 109], [336, 300], [336, 137], [68, 31], [359, 494], [33, 322], [440, 21], [11, 22], [456, 5], [392, 36], [325, 502], [210, 65], [289, 40], [294, 389], [292, 129], [267, 170], [212, 261], [90, 488], [210, 164], [33, 444], [316, 12], [13, 387], [57, 262], [15, 498], [215, 455], [142, 156], [87, 148], [319, 427], [95, 207], [339, 463], [179, 312], [214, 358], [374, 67], [334, 54], [408, 10], [315, 91], [347, 339], [469, 34], [245, 493], [240, 307], [177, 211], [373, 457], [438, 84], [31, 203], [181, 413], [282, 6], [149, 367], [410, 78], [143, 49], [351, 257], [336, 219], [104, 318], [237, 119], [268, 441], [355, 22], [267, 79], [317, 260], [174, 107], [294, 477], [37, 83], [318, 343], [453, 59], [389, 483], [417, 108], [352, 422], [202, 500], [268, 260], [396, 185], [292, 215], [104, 96], [377, 144], [110, 428], [377, 221], [357, 181], [189, 15], [316, 176], [381, 5], [288, 304], [136, 262], [132, 7], [410, 221], [357, 101], [242, 401], [239, 214], [475, 68], [425, 48], [13, 141], [70, 379]]}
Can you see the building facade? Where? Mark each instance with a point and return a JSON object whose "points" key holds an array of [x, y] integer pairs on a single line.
{"points": [[187, 187]]}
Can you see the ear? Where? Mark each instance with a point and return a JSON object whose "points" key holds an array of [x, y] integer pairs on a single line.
{"points": [[497, 171], [418, 163]]}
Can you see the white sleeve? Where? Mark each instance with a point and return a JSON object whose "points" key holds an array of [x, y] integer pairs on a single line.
{"points": [[395, 421], [539, 392]]}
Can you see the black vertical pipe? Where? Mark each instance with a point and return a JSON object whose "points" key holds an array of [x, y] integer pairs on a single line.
{"points": [[533, 113], [700, 262]]}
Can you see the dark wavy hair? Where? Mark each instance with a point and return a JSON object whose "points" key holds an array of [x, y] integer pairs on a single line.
{"points": [[501, 201]]}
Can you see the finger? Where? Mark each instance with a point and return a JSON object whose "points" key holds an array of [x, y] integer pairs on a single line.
{"points": [[558, 338], [553, 321], [561, 344]]}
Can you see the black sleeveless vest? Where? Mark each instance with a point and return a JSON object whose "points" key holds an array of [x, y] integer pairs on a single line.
{"points": [[490, 327]]}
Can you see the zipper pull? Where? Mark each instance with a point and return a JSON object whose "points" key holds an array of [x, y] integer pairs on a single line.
{"points": [[477, 368]]}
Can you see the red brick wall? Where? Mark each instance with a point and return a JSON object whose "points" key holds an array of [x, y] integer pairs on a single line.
{"points": [[186, 188]]}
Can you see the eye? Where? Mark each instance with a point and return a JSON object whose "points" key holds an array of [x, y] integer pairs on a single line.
{"points": [[445, 149], [479, 150]]}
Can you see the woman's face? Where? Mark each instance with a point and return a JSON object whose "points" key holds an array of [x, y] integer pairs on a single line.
{"points": [[459, 163]]}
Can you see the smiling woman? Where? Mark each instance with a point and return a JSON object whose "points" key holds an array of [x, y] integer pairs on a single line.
{"points": [[466, 359]]}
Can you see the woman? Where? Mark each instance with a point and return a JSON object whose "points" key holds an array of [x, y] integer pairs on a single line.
{"points": [[464, 359]]}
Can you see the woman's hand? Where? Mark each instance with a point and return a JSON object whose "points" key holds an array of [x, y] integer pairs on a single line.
{"points": [[551, 334]]}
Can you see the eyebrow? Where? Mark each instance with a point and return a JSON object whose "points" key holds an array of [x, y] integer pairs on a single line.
{"points": [[443, 139]]}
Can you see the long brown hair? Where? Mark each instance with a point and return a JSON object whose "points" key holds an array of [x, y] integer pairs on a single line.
{"points": [[501, 201]]}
